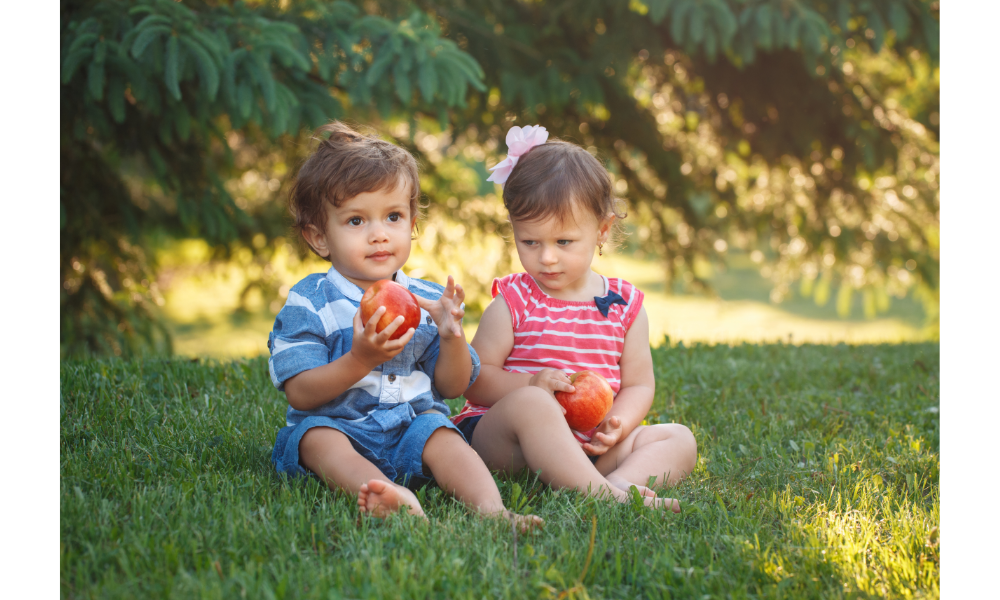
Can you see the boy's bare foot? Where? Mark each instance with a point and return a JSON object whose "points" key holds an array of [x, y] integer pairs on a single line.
{"points": [[624, 486], [524, 523], [379, 499]]}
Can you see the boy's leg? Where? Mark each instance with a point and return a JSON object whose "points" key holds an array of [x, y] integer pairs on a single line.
{"points": [[667, 452], [527, 428], [329, 454], [459, 471]]}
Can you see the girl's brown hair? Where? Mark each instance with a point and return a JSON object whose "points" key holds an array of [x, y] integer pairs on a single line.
{"points": [[345, 164], [549, 178]]}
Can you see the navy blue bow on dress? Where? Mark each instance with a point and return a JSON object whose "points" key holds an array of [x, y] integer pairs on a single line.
{"points": [[603, 304]]}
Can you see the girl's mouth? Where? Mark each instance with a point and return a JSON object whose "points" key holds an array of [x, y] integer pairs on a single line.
{"points": [[380, 256]]}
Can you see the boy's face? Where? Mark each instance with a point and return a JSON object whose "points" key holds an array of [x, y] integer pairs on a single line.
{"points": [[367, 238]]}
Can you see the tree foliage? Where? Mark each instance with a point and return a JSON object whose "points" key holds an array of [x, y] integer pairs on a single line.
{"points": [[803, 132], [151, 89]]}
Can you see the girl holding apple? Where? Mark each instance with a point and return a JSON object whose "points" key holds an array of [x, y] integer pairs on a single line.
{"points": [[366, 411], [560, 317]]}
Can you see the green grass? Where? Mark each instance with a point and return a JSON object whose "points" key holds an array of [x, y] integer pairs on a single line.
{"points": [[817, 477]]}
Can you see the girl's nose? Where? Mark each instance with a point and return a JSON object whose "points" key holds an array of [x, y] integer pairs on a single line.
{"points": [[549, 256]]}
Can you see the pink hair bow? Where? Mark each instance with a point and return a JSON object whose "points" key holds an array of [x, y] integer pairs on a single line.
{"points": [[519, 141]]}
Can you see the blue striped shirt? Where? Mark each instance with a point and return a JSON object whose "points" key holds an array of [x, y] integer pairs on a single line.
{"points": [[315, 327]]}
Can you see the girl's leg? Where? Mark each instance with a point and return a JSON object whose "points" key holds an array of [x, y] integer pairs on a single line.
{"points": [[667, 452], [329, 454], [527, 428], [459, 471]]}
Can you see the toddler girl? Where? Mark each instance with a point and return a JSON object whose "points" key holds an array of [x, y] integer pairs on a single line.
{"points": [[559, 317]]}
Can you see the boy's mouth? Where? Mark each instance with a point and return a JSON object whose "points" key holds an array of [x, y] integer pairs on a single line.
{"points": [[380, 255]]}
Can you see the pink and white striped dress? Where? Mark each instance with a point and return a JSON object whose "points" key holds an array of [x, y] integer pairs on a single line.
{"points": [[562, 334]]}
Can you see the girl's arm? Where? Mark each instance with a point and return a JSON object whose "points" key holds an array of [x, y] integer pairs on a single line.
{"points": [[493, 342], [635, 396]]}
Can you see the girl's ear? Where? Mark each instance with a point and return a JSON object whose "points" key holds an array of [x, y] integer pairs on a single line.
{"points": [[316, 239], [413, 229], [604, 230]]}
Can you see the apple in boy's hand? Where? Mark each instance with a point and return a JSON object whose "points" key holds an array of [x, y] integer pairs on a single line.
{"points": [[397, 300], [587, 406]]}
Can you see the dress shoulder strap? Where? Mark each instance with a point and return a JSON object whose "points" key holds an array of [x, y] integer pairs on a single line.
{"points": [[633, 297], [515, 293]]}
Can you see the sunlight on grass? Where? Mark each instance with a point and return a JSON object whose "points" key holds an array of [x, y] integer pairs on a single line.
{"points": [[818, 477], [203, 307]]}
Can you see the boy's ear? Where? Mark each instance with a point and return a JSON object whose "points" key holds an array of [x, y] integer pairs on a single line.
{"points": [[316, 240]]}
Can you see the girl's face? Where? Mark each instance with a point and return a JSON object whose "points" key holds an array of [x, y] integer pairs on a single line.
{"points": [[557, 252], [366, 238]]}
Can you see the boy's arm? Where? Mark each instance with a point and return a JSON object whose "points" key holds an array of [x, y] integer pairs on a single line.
{"points": [[454, 366], [453, 369], [635, 396], [315, 387]]}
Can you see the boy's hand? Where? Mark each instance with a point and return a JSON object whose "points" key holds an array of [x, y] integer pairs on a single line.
{"points": [[447, 310], [552, 381], [607, 435], [372, 348]]}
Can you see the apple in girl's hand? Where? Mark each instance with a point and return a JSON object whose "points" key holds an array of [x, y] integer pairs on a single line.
{"points": [[397, 301], [587, 406]]}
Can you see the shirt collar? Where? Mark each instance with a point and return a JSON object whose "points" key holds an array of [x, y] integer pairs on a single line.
{"points": [[351, 290]]}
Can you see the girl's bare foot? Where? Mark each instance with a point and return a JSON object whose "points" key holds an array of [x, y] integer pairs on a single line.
{"points": [[524, 523], [625, 485], [670, 503], [379, 499], [650, 501]]}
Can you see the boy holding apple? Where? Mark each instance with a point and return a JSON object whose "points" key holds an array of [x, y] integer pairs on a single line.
{"points": [[365, 399]]}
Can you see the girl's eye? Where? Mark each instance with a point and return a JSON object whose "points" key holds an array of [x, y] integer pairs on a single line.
{"points": [[355, 221], [528, 242], [564, 242], [394, 217]]}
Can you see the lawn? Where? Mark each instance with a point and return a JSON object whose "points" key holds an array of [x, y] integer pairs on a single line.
{"points": [[817, 477]]}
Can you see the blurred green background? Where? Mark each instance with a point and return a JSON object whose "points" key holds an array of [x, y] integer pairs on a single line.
{"points": [[779, 159]]}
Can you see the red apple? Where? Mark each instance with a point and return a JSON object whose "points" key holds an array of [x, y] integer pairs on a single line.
{"points": [[589, 404], [397, 301]]}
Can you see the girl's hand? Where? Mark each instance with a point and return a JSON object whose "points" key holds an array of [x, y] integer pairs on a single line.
{"points": [[552, 381], [447, 310], [607, 435], [372, 348]]}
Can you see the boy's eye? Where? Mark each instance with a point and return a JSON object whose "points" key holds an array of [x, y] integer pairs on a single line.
{"points": [[355, 221], [528, 242], [395, 217]]}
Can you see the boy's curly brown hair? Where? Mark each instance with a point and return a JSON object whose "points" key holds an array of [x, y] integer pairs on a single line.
{"points": [[344, 164]]}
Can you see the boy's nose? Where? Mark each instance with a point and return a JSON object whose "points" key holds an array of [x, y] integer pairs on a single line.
{"points": [[378, 233]]}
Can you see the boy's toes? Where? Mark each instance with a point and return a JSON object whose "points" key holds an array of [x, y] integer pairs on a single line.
{"points": [[363, 498]]}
